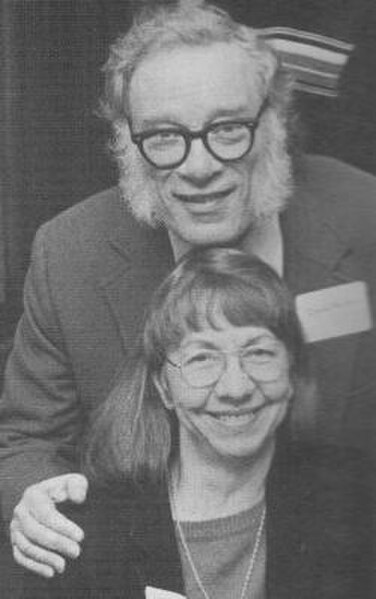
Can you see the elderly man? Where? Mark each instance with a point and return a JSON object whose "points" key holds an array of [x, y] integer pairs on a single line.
{"points": [[200, 111]]}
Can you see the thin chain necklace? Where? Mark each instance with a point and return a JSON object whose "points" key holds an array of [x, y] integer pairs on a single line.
{"points": [[188, 555]]}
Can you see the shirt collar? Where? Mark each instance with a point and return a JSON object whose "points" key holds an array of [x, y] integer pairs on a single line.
{"points": [[265, 241]]}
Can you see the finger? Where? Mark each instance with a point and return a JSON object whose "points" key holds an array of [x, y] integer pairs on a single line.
{"points": [[45, 537], [77, 486], [31, 565], [72, 486], [61, 525], [23, 548], [47, 515]]}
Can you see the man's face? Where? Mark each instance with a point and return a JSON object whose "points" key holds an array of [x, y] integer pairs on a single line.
{"points": [[203, 201]]}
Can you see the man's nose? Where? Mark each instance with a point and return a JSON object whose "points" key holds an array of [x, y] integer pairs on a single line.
{"points": [[234, 383], [200, 165]]}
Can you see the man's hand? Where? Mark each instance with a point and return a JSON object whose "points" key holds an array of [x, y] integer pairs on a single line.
{"points": [[41, 536]]}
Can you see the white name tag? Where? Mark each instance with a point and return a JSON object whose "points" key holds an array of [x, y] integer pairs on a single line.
{"points": [[153, 593], [335, 311]]}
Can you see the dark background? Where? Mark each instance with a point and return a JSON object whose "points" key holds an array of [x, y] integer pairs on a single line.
{"points": [[53, 145]]}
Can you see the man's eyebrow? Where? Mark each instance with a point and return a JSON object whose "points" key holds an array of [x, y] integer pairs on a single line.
{"points": [[165, 120], [234, 113], [159, 122]]}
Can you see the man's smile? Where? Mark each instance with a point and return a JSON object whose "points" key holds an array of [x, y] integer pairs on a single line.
{"points": [[204, 198]]}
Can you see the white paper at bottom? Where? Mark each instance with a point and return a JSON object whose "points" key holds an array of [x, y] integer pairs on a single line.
{"points": [[153, 593]]}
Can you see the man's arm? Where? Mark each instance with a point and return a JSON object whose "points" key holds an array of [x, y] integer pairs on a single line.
{"points": [[39, 420], [39, 411]]}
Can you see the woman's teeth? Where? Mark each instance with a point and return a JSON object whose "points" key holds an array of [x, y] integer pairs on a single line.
{"points": [[236, 419]]}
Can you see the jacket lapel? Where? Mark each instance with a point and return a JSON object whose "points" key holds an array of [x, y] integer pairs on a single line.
{"points": [[286, 564], [316, 258], [154, 542], [140, 257]]}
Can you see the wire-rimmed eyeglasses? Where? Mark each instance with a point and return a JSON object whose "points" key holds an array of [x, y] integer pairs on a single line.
{"points": [[204, 368], [169, 147]]}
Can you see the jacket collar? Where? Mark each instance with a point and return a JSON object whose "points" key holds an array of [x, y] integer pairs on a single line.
{"points": [[137, 259], [315, 255], [153, 539]]}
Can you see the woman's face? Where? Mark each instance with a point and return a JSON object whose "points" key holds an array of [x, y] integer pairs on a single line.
{"points": [[246, 373]]}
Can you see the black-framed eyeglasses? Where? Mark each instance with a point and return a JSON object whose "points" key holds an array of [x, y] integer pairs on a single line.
{"points": [[204, 367], [168, 147]]}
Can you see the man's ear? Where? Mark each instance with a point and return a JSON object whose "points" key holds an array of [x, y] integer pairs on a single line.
{"points": [[161, 385]]}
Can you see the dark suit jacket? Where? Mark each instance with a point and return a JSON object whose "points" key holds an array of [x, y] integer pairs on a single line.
{"points": [[92, 273], [319, 543]]}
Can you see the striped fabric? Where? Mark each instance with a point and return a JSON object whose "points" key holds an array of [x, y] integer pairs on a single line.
{"points": [[316, 61]]}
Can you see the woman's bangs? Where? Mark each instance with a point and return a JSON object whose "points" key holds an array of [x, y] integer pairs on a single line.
{"points": [[206, 307], [181, 312], [242, 305], [192, 311], [201, 304]]}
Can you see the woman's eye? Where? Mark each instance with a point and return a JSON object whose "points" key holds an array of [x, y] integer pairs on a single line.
{"points": [[259, 353], [262, 351], [199, 359]]}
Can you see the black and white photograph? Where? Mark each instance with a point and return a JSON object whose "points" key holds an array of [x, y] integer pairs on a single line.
{"points": [[188, 299]]}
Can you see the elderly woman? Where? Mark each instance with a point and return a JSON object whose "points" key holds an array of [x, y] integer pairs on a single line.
{"points": [[195, 490]]}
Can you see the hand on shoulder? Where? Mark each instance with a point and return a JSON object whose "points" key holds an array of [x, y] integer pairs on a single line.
{"points": [[42, 538]]}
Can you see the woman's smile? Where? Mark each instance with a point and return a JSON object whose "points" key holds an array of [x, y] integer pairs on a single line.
{"points": [[236, 418]]}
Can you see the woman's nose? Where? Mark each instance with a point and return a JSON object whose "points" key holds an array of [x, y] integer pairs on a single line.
{"points": [[234, 383]]}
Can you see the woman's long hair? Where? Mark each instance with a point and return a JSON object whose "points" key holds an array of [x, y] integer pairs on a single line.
{"points": [[132, 434]]}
